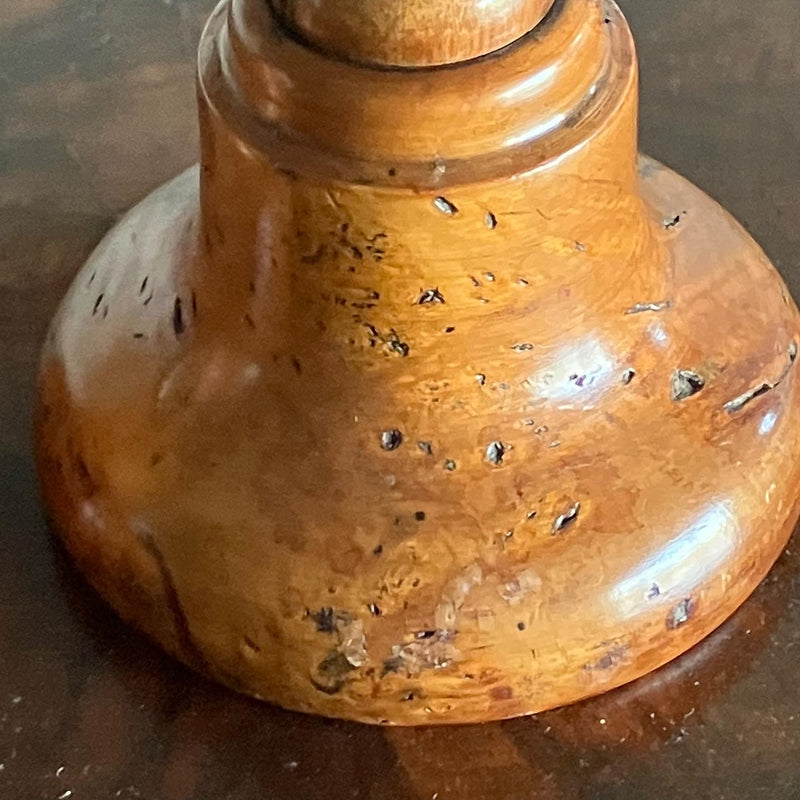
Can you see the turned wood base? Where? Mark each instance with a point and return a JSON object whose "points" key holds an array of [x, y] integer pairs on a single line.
{"points": [[416, 441]]}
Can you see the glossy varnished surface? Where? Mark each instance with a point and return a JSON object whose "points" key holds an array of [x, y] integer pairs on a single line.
{"points": [[98, 701], [405, 431]]}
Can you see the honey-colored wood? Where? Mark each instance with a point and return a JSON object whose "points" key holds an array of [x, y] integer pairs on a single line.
{"points": [[424, 400], [411, 33]]}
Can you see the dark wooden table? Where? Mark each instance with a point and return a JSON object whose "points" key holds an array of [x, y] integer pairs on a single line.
{"points": [[96, 108]]}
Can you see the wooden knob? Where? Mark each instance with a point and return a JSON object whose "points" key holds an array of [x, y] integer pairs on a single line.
{"points": [[411, 33]]}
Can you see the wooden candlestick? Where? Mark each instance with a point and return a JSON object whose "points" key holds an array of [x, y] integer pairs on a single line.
{"points": [[424, 399]]}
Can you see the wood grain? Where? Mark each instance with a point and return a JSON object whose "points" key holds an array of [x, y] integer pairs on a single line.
{"points": [[411, 33]]}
